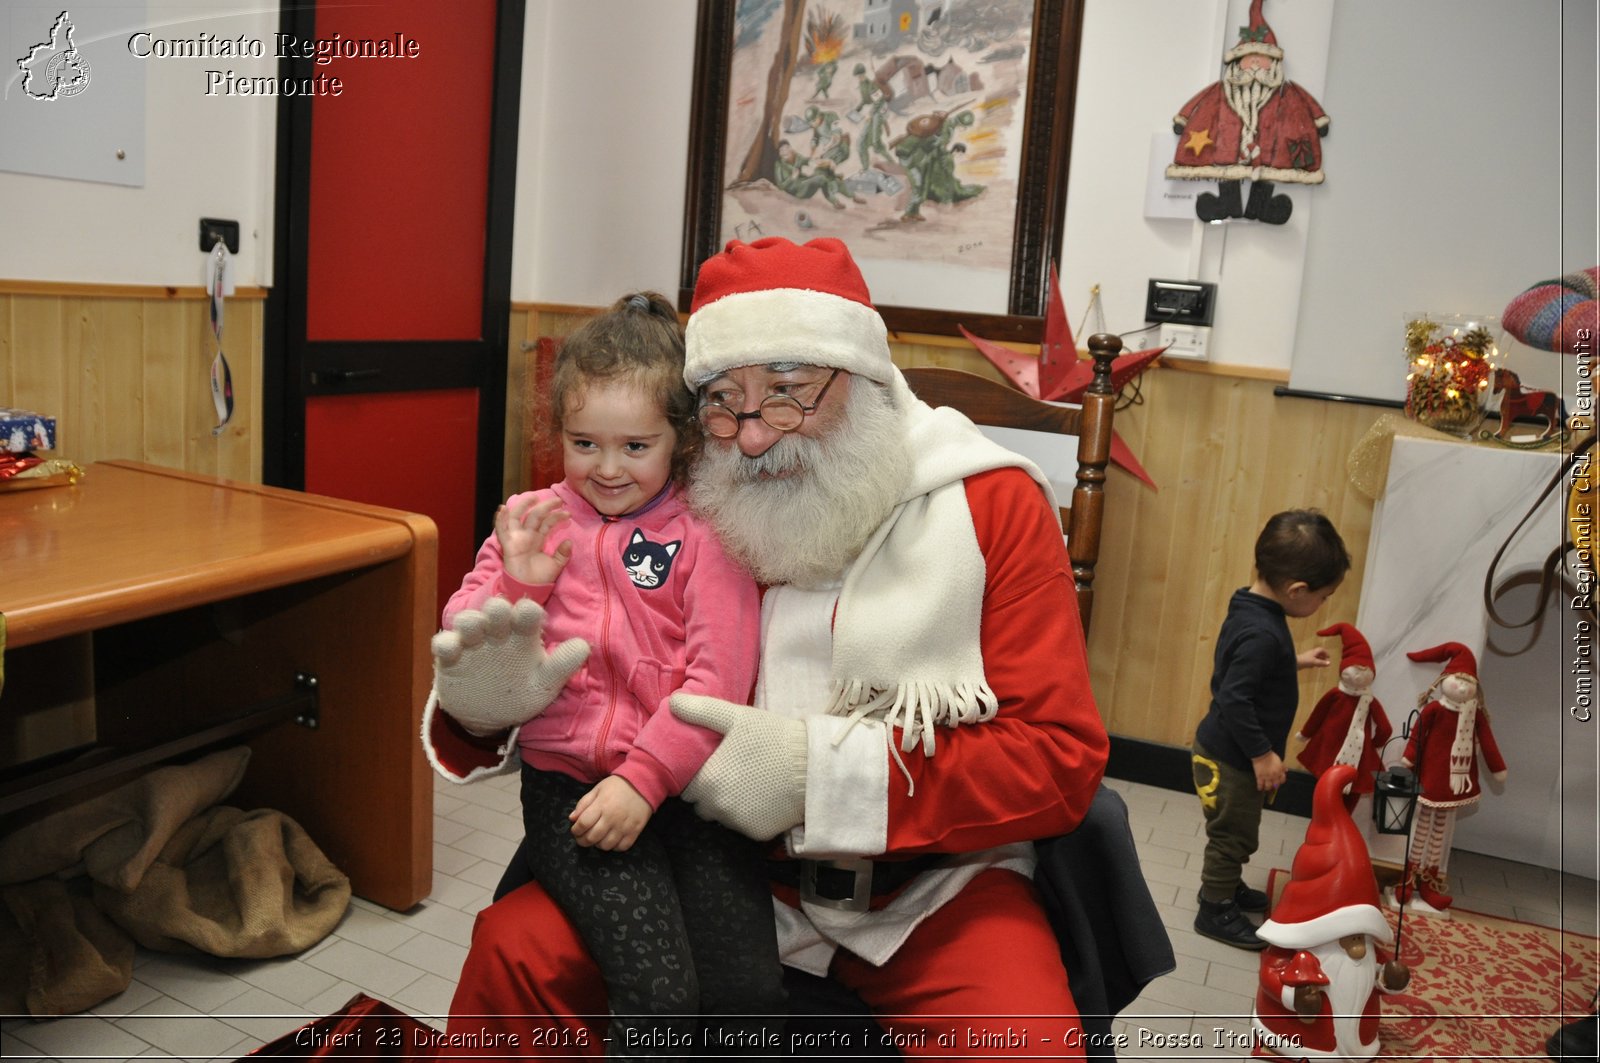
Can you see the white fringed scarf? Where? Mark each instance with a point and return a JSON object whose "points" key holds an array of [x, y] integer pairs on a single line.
{"points": [[906, 644], [1462, 746], [1355, 737]]}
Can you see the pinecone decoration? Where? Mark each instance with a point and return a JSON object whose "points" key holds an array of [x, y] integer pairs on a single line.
{"points": [[1476, 341]]}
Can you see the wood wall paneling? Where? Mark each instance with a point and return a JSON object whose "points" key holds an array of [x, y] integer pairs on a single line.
{"points": [[126, 377], [126, 373]]}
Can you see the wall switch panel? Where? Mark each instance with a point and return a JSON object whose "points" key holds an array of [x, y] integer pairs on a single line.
{"points": [[1192, 342]]}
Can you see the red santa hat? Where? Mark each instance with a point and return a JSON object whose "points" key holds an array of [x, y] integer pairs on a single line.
{"points": [[774, 301], [1254, 39], [1458, 659], [1331, 892], [1356, 651]]}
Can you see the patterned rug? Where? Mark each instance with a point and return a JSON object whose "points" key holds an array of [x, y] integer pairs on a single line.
{"points": [[1482, 987]]}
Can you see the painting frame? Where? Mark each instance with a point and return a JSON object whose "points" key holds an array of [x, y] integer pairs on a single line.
{"points": [[1040, 209]]}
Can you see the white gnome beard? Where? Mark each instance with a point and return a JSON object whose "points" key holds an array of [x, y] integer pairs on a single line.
{"points": [[1350, 983], [805, 528]]}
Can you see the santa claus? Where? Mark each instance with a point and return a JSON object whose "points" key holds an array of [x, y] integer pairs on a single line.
{"points": [[1348, 725], [1443, 750], [1319, 983], [1252, 125]]}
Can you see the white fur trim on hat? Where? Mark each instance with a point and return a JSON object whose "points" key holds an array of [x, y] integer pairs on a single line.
{"points": [[785, 325], [1330, 926]]}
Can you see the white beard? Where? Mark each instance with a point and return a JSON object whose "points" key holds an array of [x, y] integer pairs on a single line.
{"points": [[1350, 984], [1247, 91], [805, 528]]}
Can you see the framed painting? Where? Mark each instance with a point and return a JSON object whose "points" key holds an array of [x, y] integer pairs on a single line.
{"points": [[932, 136]]}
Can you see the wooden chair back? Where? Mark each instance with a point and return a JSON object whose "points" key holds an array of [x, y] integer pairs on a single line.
{"points": [[989, 402]]}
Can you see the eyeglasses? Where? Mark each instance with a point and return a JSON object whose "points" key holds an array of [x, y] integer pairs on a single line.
{"points": [[782, 412]]}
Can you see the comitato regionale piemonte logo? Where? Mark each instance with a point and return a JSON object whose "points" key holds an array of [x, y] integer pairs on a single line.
{"points": [[55, 69]]}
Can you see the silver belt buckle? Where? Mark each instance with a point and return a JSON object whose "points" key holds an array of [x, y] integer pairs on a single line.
{"points": [[860, 897]]}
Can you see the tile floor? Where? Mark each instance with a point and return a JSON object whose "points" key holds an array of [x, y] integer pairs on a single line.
{"points": [[206, 1008]]}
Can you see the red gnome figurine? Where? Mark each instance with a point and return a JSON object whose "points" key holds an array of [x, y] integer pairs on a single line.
{"points": [[1443, 749], [1348, 726], [1319, 984]]}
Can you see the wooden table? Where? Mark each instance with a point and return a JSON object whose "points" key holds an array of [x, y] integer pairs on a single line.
{"points": [[153, 613]]}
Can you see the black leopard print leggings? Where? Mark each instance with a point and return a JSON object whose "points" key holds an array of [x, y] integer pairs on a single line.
{"points": [[680, 925]]}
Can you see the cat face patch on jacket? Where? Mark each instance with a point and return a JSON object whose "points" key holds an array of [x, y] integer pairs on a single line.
{"points": [[648, 563]]}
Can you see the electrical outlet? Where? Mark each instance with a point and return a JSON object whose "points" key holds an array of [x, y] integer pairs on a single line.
{"points": [[214, 229], [1185, 341]]}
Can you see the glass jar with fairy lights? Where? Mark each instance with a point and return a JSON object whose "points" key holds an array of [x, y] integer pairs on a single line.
{"points": [[1451, 365]]}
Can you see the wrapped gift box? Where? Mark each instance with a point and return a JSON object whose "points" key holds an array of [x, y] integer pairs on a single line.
{"points": [[22, 431]]}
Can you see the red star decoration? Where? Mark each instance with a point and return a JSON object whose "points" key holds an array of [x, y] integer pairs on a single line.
{"points": [[1059, 375]]}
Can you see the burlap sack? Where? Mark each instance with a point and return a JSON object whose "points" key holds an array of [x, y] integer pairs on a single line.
{"points": [[233, 883], [58, 953], [115, 836]]}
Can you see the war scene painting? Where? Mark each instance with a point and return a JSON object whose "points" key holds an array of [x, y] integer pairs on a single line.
{"points": [[895, 125]]}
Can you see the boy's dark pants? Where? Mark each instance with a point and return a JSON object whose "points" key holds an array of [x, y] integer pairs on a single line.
{"points": [[1232, 807]]}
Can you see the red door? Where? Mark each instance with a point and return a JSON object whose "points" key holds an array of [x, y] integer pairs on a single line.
{"points": [[393, 271]]}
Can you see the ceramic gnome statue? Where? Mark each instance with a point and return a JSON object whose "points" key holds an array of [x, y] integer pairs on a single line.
{"points": [[1317, 995], [1348, 725], [1443, 750]]}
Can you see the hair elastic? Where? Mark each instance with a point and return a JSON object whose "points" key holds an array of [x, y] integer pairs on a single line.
{"points": [[638, 302]]}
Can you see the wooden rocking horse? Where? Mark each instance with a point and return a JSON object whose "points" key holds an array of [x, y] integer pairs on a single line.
{"points": [[1526, 402]]}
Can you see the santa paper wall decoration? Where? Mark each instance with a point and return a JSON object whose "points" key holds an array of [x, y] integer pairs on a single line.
{"points": [[1251, 125]]}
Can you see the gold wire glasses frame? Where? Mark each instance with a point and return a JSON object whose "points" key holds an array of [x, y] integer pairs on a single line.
{"points": [[782, 412]]}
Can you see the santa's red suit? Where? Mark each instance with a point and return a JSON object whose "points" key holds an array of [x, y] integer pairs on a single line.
{"points": [[1348, 725], [1322, 941], [1028, 773], [966, 589]]}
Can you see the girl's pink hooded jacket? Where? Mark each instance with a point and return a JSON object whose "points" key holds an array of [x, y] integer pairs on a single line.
{"points": [[663, 609]]}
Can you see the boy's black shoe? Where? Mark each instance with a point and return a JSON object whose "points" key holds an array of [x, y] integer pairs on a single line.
{"points": [[1247, 899], [1250, 900], [1225, 921]]}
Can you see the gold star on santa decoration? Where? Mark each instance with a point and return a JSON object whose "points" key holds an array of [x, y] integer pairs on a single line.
{"points": [[1199, 140]]}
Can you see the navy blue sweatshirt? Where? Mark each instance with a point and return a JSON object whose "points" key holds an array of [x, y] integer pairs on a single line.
{"points": [[1254, 686]]}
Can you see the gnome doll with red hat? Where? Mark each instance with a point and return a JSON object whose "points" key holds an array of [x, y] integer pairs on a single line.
{"points": [[1443, 750], [1317, 996], [1348, 725]]}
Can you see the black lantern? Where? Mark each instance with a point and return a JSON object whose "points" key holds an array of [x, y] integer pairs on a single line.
{"points": [[1394, 800]]}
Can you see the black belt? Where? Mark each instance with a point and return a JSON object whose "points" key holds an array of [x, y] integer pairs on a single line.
{"points": [[848, 884]]}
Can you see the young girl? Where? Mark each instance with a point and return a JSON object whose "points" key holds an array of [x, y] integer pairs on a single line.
{"points": [[675, 910]]}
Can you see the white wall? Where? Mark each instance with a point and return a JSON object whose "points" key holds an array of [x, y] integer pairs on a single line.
{"points": [[1452, 200], [603, 149], [205, 157], [604, 131], [603, 164]]}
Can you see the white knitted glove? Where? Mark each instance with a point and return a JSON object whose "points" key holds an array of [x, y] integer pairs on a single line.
{"points": [[491, 672], [755, 780]]}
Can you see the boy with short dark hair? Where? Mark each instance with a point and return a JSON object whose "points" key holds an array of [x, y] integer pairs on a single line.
{"points": [[1239, 746]]}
